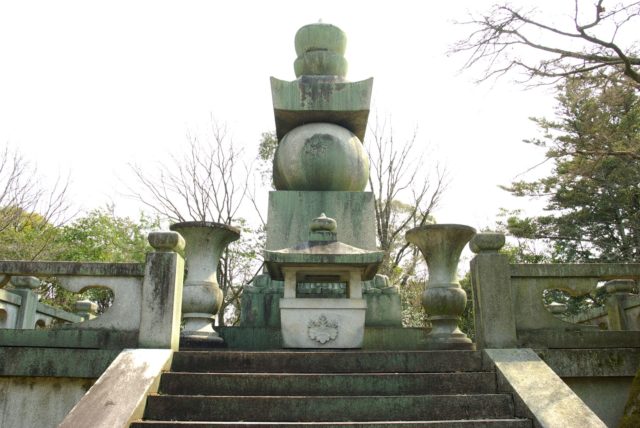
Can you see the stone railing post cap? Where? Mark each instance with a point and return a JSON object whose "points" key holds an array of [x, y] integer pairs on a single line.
{"points": [[166, 241], [620, 286], [86, 306], [487, 242], [557, 308], [28, 282]]}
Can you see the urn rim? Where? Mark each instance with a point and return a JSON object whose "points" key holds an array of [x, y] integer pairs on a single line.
{"points": [[438, 226], [209, 224]]}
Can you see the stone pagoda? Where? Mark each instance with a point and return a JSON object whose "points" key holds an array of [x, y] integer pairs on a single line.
{"points": [[321, 222]]}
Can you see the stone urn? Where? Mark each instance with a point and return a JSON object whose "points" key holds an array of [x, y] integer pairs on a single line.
{"points": [[202, 296], [443, 299]]}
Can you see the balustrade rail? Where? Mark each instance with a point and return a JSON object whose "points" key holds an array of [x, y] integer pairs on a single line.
{"points": [[146, 306], [510, 310]]}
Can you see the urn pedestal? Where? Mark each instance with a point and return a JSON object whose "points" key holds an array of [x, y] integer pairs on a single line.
{"points": [[443, 299], [202, 296]]}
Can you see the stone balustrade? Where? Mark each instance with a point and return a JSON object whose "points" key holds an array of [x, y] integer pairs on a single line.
{"points": [[510, 311], [145, 312]]}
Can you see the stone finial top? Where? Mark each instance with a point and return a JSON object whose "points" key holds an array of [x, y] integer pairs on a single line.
{"points": [[166, 241], [86, 306], [320, 48], [487, 242], [323, 223], [323, 228]]}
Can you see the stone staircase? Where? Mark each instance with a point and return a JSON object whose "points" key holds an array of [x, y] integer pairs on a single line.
{"points": [[329, 388]]}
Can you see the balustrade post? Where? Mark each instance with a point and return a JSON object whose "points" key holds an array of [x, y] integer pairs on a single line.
{"points": [[86, 309], [619, 290], [24, 287], [495, 320], [162, 292]]}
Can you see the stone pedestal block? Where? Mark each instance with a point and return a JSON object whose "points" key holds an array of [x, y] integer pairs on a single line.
{"points": [[290, 211], [322, 323]]}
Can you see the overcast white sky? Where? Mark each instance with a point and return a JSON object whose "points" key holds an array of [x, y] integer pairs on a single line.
{"points": [[89, 87]]}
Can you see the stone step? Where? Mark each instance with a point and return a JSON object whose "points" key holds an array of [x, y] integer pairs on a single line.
{"points": [[329, 408], [327, 384], [477, 423], [328, 361]]}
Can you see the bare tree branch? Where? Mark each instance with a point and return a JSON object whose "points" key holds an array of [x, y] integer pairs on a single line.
{"points": [[505, 38], [397, 172]]}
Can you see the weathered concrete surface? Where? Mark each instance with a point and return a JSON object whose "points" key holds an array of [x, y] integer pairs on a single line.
{"points": [[55, 362], [291, 211], [12, 267], [631, 417], [538, 392], [28, 402], [330, 408], [606, 396], [344, 384], [577, 338], [161, 301], [327, 361], [96, 339], [475, 423], [611, 362], [600, 377], [119, 396]]}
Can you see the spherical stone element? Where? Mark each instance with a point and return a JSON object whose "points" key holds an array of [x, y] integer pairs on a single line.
{"points": [[320, 156]]}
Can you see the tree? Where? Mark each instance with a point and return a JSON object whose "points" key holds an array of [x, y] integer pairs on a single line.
{"points": [[29, 210], [597, 38], [397, 170], [208, 183], [593, 192], [100, 236]]}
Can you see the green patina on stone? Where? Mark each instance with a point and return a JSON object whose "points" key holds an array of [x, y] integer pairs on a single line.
{"points": [[320, 49], [313, 99], [290, 212]]}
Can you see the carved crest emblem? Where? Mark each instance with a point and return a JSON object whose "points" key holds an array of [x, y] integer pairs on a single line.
{"points": [[322, 330]]}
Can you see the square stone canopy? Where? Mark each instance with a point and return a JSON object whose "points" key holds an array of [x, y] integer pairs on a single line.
{"points": [[312, 99], [327, 254]]}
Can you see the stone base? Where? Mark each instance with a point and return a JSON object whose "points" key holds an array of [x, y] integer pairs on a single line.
{"points": [[375, 338], [322, 323], [383, 310], [260, 304], [455, 341]]}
